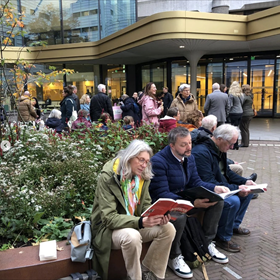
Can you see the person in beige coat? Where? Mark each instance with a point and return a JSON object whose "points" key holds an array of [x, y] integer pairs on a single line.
{"points": [[26, 111], [185, 102]]}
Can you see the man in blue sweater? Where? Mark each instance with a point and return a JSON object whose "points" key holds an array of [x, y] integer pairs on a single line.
{"points": [[175, 170], [210, 155]]}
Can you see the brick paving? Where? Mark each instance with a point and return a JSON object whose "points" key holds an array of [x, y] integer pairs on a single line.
{"points": [[260, 255]]}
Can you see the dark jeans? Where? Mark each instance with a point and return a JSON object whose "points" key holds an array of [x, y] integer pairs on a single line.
{"points": [[232, 216], [235, 120], [210, 226]]}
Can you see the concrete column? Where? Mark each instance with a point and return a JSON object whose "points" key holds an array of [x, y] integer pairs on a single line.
{"points": [[193, 57], [220, 6]]}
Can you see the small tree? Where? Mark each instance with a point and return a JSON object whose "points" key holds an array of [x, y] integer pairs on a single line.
{"points": [[15, 75]]}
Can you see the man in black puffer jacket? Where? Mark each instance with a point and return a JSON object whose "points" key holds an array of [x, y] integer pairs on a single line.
{"points": [[100, 103]]}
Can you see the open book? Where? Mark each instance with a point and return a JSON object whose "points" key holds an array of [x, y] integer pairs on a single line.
{"points": [[259, 188], [201, 192], [164, 206]]}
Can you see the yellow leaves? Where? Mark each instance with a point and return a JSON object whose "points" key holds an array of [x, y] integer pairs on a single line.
{"points": [[20, 24], [7, 41]]}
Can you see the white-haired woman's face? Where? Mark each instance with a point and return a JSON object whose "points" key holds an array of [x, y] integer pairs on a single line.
{"points": [[186, 92], [139, 163]]}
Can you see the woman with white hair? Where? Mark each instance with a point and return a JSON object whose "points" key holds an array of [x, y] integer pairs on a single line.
{"points": [[121, 196], [236, 99], [185, 102], [54, 121]]}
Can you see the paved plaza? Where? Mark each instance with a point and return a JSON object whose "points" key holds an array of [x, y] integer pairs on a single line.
{"points": [[260, 255]]}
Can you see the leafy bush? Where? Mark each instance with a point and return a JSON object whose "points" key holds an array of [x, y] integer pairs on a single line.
{"points": [[49, 179]]}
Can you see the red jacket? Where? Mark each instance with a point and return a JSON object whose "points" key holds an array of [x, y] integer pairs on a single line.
{"points": [[166, 124]]}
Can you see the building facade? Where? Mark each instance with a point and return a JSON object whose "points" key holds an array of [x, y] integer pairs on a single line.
{"points": [[126, 44]]}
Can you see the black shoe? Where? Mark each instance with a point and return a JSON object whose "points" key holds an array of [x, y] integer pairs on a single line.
{"points": [[243, 146], [255, 195], [252, 177]]}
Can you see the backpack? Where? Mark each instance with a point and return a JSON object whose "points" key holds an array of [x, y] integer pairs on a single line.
{"points": [[80, 239], [136, 108], [193, 244]]}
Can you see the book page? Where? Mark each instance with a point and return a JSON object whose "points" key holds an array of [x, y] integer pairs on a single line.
{"points": [[261, 187], [183, 201], [228, 194]]}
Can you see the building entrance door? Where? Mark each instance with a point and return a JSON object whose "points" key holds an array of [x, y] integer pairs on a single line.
{"points": [[262, 79]]}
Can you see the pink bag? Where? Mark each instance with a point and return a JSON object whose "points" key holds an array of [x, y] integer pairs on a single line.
{"points": [[117, 111]]}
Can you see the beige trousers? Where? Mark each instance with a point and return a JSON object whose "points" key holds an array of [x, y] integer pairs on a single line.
{"points": [[237, 168], [130, 241]]}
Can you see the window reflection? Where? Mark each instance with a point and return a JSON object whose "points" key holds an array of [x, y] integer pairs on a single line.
{"points": [[83, 20]]}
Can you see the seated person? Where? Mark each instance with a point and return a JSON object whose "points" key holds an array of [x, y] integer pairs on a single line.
{"points": [[128, 124], [121, 196], [170, 120], [81, 123], [174, 171], [104, 118], [208, 125], [54, 121], [210, 155], [48, 102], [194, 119]]}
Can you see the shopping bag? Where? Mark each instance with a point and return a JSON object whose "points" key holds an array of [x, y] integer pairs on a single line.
{"points": [[117, 111]]}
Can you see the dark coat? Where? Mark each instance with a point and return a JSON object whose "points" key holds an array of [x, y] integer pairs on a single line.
{"points": [[209, 158], [167, 100], [100, 103], [171, 177], [66, 108], [129, 110], [77, 100], [55, 123]]}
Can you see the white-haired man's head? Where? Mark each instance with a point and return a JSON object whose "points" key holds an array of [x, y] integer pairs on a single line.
{"points": [[225, 136], [215, 86], [209, 122], [101, 88], [27, 93]]}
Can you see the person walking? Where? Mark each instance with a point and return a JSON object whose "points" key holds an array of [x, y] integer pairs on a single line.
{"points": [[217, 104], [247, 115], [236, 98]]}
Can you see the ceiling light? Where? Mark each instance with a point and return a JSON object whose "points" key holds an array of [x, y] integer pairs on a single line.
{"points": [[181, 47], [245, 75], [231, 58], [270, 71]]}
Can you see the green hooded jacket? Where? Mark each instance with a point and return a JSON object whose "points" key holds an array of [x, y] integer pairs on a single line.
{"points": [[109, 214]]}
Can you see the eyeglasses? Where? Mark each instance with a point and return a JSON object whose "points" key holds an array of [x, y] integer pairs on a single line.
{"points": [[143, 161], [230, 144]]}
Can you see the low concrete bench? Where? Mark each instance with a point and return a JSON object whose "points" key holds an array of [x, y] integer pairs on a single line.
{"points": [[24, 264]]}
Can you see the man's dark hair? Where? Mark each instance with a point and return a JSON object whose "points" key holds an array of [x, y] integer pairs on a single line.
{"points": [[176, 132]]}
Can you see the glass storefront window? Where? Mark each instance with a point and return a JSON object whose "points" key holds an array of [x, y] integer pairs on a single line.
{"points": [[201, 86], [214, 75], [277, 89], [116, 81], [158, 72], [236, 71], [50, 89], [83, 79], [180, 74], [145, 75], [262, 79]]}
